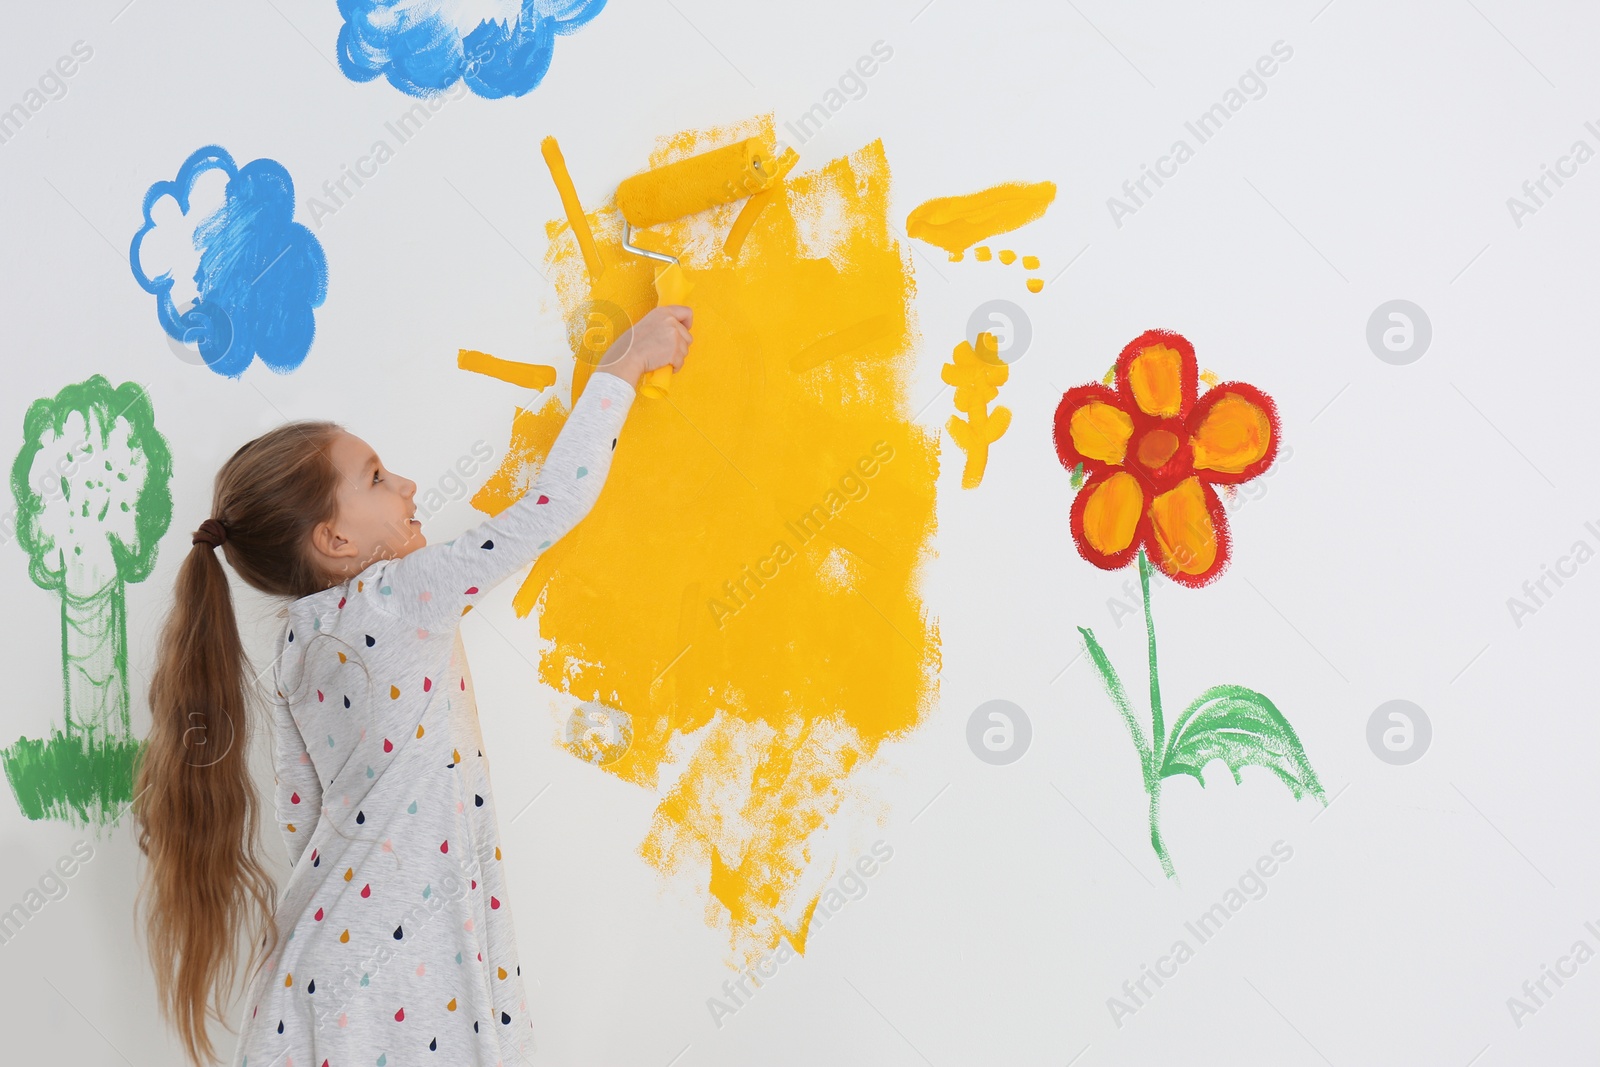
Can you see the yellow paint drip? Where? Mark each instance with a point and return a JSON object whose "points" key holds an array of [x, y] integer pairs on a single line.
{"points": [[753, 566], [956, 222]]}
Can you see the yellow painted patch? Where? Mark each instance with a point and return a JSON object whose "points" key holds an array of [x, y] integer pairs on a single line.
{"points": [[1155, 375], [1234, 434], [1111, 515], [1030, 262], [982, 254], [527, 375], [1035, 284], [752, 569], [1183, 527], [532, 434], [1007, 256], [955, 222], [1101, 431]]}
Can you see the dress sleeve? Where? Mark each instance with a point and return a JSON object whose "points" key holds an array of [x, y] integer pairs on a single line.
{"points": [[436, 584], [299, 792]]}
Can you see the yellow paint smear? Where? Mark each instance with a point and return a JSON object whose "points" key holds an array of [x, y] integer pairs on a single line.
{"points": [[1007, 256], [532, 434], [1035, 284], [527, 375], [747, 588], [982, 254], [1030, 262], [756, 204], [956, 222]]}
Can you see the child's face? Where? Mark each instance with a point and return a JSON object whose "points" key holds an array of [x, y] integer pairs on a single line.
{"points": [[375, 517]]}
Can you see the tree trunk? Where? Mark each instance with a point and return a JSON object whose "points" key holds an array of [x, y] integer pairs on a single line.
{"points": [[94, 663]]}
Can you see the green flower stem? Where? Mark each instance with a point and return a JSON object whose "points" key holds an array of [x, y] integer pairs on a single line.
{"points": [[1152, 753], [1158, 730], [1157, 724]]}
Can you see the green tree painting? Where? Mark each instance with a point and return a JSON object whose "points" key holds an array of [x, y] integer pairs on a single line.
{"points": [[92, 501]]}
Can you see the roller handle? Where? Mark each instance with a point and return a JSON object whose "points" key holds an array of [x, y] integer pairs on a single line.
{"points": [[672, 287]]}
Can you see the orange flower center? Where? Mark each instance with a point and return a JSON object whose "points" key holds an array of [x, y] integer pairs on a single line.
{"points": [[1156, 447]]}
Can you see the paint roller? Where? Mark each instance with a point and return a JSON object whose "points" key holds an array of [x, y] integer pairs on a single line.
{"points": [[678, 190]]}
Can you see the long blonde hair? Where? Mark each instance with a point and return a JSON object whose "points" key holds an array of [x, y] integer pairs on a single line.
{"points": [[195, 804]]}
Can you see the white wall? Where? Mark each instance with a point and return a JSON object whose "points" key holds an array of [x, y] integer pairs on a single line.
{"points": [[1376, 566]]}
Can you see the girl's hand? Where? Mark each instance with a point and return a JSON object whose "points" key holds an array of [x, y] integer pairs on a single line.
{"points": [[660, 339]]}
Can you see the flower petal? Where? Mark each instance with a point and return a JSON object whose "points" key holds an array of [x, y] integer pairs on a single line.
{"points": [[1091, 428], [1157, 371], [1188, 533], [1234, 433], [1106, 517]]}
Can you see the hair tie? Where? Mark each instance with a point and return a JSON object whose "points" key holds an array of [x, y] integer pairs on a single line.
{"points": [[212, 533]]}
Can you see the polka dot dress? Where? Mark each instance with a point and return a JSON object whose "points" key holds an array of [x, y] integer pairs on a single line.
{"points": [[398, 944]]}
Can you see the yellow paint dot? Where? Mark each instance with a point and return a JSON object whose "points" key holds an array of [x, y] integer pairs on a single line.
{"points": [[456, 752], [502, 974], [1031, 262], [360, 586], [1007, 256], [342, 658], [1209, 377], [419, 729], [349, 873], [466, 609], [394, 692], [288, 979], [452, 1005], [344, 938], [290, 826], [1035, 284], [497, 852], [982, 253]]}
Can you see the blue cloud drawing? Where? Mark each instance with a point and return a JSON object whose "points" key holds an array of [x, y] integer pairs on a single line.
{"points": [[424, 48], [257, 274]]}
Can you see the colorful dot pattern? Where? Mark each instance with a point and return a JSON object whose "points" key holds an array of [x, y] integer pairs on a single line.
{"points": [[397, 940]]}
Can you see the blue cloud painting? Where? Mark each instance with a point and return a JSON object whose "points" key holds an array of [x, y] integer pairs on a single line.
{"points": [[229, 267], [425, 47]]}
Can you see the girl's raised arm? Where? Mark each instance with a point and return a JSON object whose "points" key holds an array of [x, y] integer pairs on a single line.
{"points": [[436, 583]]}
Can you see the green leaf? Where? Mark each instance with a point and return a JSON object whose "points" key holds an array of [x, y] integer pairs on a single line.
{"points": [[1077, 475], [1241, 727], [1119, 697]]}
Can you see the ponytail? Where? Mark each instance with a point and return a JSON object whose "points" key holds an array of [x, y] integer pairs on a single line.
{"points": [[197, 806], [195, 803]]}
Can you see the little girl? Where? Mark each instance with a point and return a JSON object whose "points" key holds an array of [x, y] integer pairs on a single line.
{"points": [[392, 942]]}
